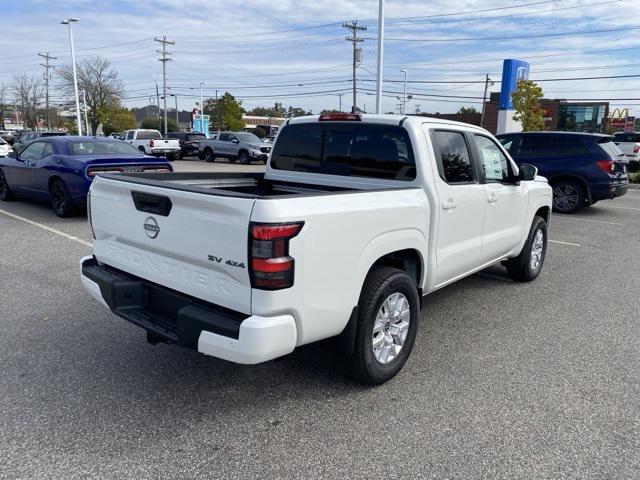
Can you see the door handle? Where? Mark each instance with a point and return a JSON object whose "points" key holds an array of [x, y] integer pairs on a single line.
{"points": [[449, 204], [492, 198]]}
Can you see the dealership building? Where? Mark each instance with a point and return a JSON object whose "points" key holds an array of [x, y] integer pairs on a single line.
{"points": [[559, 115]]}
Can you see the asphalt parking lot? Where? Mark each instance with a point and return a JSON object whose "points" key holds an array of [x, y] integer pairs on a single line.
{"points": [[506, 380]]}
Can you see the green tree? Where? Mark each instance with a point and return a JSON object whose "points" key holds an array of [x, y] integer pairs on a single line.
{"points": [[225, 113], [119, 120], [259, 132], [526, 102], [153, 123], [467, 110]]}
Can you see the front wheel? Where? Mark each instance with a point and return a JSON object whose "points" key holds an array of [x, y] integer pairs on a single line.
{"points": [[5, 192], [568, 196], [387, 324], [243, 158], [61, 200], [528, 264], [208, 155]]}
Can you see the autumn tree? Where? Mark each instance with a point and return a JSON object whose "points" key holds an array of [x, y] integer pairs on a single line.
{"points": [[119, 120], [99, 80], [226, 112], [526, 102]]}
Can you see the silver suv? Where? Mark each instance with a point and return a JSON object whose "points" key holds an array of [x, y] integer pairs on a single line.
{"points": [[242, 146]]}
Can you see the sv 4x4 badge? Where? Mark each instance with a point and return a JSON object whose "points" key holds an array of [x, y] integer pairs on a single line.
{"points": [[232, 263]]}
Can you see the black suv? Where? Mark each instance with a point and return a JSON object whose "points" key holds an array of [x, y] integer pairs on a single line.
{"points": [[189, 142], [582, 168], [27, 137]]}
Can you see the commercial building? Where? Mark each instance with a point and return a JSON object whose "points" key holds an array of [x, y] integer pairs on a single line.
{"points": [[559, 115]]}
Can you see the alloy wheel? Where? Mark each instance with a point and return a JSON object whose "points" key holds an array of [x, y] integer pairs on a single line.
{"points": [[391, 328], [565, 197]]}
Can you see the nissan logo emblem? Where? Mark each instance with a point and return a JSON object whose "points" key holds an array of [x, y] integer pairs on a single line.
{"points": [[151, 227]]}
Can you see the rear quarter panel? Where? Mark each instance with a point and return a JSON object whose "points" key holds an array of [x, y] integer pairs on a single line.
{"points": [[343, 236]]}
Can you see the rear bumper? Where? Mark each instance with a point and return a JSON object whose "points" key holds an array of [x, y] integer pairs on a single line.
{"points": [[608, 191], [178, 318]]}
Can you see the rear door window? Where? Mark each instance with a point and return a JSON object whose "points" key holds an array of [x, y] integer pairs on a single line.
{"points": [[453, 158], [534, 147], [346, 149], [224, 137]]}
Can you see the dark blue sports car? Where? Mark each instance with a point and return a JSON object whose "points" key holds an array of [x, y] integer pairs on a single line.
{"points": [[60, 169]]}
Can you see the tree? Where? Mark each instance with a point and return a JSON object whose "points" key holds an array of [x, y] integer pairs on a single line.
{"points": [[226, 112], [468, 110], [119, 121], [526, 102], [28, 92], [3, 92], [153, 123], [297, 112], [99, 80]]}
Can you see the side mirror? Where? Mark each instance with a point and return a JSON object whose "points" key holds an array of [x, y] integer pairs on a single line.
{"points": [[527, 172], [235, 140]]}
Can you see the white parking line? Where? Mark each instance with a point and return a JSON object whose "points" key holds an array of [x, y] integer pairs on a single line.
{"points": [[586, 220], [48, 229], [565, 243], [623, 208]]}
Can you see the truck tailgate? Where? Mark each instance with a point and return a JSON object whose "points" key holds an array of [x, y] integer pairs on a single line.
{"points": [[191, 242]]}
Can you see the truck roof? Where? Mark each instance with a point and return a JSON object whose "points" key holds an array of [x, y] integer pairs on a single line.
{"points": [[388, 119]]}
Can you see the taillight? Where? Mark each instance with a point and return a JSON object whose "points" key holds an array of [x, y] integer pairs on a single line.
{"points": [[157, 169], [337, 117], [271, 266], [92, 172], [607, 166], [152, 143], [636, 148]]}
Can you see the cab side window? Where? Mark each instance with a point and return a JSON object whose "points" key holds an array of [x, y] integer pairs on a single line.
{"points": [[47, 150], [130, 135], [33, 151], [224, 137], [452, 155], [494, 164]]}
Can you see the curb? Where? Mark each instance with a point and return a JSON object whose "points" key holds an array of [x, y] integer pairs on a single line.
{"points": [[634, 186]]}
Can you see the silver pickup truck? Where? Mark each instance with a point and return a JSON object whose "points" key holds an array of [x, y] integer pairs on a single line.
{"points": [[241, 146]]}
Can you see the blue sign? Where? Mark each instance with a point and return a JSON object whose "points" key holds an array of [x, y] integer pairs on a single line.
{"points": [[512, 72], [201, 124]]}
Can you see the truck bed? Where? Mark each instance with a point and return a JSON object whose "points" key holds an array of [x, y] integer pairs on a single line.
{"points": [[243, 185]]}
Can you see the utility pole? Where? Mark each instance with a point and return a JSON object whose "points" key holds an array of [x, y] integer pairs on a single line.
{"points": [[177, 118], [340, 101], [380, 60], [404, 92], [46, 66], [484, 98], [165, 58], [357, 52], [158, 104]]}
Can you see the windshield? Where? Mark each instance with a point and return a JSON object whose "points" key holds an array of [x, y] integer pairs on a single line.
{"points": [[248, 138], [104, 147], [149, 135], [196, 136]]}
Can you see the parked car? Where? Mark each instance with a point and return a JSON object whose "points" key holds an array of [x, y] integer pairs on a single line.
{"points": [[152, 143], [582, 168], [189, 142], [61, 169], [629, 143], [240, 146], [27, 137], [355, 219], [5, 148]]}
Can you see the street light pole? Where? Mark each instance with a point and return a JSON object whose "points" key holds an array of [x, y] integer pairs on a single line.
{"points": [[380, 56], [86, 114], [177, 118], [404, 93], [68, 22], [201, 104]]}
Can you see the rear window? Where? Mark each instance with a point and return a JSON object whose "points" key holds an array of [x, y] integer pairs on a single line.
{"points": [[610, 148], [195, 136], [52, 134], [106, 147], [346, 149], [149, 135], [626, 137]]}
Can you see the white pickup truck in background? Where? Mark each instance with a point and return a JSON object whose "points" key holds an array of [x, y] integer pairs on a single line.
{"points": [[356, 219], [152, 143], [629, 143]]}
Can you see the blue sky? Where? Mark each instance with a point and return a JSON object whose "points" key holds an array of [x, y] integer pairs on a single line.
{"points": [[294, 52]]}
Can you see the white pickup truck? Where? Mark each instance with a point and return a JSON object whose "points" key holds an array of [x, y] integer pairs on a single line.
{"points": [[356, 219], [629, 143], [152, 143]]}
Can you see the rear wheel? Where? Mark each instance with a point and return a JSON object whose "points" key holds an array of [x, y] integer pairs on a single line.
{"points": [[61, 200], [243, 157], [527, 265], [5, 192], [208, 155], [386, 328], [568, 196]]}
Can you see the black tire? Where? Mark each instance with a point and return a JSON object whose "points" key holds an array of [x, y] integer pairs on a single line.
{"points": [[381, 284], [141, 148], [521, 267], [5, 192], [243, 157], [61, 200], [568, 196], [208, 155]]}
